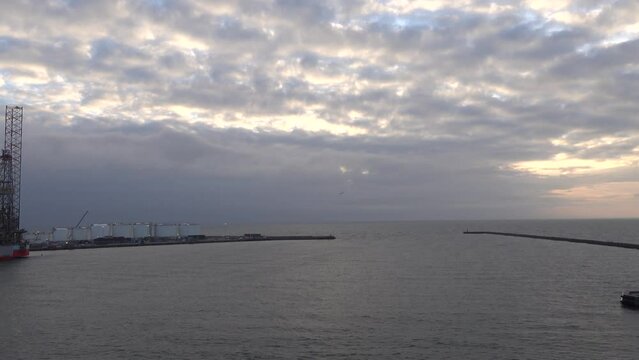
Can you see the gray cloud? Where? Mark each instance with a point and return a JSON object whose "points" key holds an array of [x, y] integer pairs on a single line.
{"points": [[247, 110]]}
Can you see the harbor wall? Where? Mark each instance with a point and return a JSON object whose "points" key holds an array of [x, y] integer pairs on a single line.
{"points": [[128, 231]]}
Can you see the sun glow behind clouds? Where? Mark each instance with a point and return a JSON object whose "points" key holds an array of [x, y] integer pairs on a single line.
{"points": [[308, 121], [610, 190], [564, 164], [568, 161], [609, 199]]}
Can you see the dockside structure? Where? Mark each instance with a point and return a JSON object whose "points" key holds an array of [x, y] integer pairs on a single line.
{"points": [[124, 231]]}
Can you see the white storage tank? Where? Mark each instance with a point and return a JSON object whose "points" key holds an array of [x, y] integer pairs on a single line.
{"points": [[80, 233], [187, 230], [141, 230], [61, 234], [121, 230], [99, 231], [166, 230]]}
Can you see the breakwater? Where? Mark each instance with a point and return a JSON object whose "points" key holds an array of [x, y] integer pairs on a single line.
{"points": [[123, 242], [558, 238]]}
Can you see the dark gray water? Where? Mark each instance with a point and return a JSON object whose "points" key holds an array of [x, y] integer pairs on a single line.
{"points": [[382, 290]]}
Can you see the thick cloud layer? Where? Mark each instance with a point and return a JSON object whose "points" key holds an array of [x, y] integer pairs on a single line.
{"points": [[298, 110]]}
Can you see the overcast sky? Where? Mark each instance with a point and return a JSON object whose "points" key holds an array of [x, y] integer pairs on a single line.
{"points": [[313, 111]]}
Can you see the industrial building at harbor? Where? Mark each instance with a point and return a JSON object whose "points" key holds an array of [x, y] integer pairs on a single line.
{"points": [[128, 231]]}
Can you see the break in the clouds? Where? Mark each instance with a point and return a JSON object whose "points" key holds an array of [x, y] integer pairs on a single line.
{"points": [[299, 110]]}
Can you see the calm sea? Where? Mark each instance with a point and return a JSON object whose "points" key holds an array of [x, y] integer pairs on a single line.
{"points": [[409, 290]]}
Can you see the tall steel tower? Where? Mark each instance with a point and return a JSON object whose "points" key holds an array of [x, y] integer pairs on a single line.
{"points": [[10, 169]]}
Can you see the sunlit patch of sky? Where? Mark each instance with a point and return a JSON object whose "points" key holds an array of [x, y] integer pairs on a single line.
{"points": [[417, 19], [564, 165], [607, 200], [570, 163]]}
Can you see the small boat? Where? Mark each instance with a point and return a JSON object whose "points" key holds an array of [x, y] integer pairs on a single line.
{"points": [[630, 298]]}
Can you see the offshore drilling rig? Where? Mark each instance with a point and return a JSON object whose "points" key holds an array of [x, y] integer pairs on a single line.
{"points": [[11, 243]]}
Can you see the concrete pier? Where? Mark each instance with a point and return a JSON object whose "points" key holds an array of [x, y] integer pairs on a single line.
{"points": [[122, 242], [557, 238]]}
